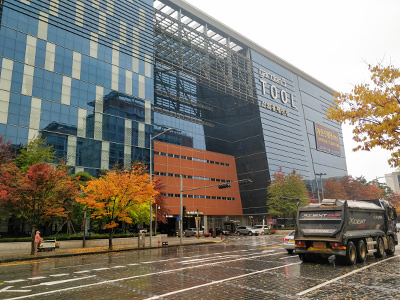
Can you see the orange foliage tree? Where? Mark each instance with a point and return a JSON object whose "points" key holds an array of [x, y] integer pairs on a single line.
{"points": [[374, 110], [333, 189], [394, 200], [349, 188], [38, 194], [114, 196]]}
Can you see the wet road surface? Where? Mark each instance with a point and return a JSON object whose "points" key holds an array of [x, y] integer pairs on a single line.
{"points": [[236, 268]]}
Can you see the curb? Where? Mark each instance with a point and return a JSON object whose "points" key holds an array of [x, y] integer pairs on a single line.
{"points": [[29, 258]]}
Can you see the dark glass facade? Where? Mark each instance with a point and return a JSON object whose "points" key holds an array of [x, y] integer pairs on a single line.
{"points": [[97, 78]]}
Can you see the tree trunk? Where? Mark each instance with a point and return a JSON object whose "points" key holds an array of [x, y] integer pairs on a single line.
{"points": [[33, 240], [69, 231], [110, 246]]}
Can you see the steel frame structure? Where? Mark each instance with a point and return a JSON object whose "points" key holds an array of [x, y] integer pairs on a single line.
{"points": [[187, 54]]}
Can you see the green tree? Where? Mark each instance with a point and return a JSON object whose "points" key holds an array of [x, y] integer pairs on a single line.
{"points": [[35, 152], [281, 192]]}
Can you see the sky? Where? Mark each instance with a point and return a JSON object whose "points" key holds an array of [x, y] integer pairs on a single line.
{"points": [[332, 41]]}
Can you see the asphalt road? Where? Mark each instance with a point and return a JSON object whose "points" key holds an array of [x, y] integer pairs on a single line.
{"points": [[237, 268]]}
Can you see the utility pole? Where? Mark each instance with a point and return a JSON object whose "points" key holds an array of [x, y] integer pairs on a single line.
{"points": [[322, 189]]}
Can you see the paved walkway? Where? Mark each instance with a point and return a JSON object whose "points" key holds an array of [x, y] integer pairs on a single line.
{"points": [[10, 252]]}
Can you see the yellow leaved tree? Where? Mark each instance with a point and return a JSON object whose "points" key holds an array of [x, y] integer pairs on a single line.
{"points": [[115, 196], [374, 109]]}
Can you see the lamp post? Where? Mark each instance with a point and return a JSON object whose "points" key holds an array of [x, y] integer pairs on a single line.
{"points": [[322, 189], [155, 223], [151, 176]]}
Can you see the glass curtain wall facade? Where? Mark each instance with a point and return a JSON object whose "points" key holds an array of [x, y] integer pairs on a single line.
{"points": [[97, 77], [80, 73]]}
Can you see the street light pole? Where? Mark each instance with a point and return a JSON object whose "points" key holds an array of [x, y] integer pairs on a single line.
{"points": [[151, 177], [320, 179], [181, 210]]}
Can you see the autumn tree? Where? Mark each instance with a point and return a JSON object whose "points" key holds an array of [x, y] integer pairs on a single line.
{"points": [[333, 189], [35, 152], [360, 189], [281, 192], [38, 194], [374, 109], [7, 154], [116, 195], [394, 200]]}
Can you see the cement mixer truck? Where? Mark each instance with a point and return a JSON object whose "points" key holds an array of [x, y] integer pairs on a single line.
{"points": [[348, 229]]}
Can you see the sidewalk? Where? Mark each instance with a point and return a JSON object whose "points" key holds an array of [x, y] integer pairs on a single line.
{"points": [[10, 252]]}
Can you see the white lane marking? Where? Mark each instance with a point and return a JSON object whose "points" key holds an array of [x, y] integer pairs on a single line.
{"points": [[100, 269], [133, 264], [118, 267], [84, 271], [59, 281], [208, 259], [59, 275], [144, 275], [343, 276], [7, 289], [218, 281], [148, 262], [15, 281], [289, 257], [37, 278]]}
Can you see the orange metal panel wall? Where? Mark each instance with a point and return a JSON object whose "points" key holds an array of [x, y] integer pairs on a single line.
{"points": [[178, 165]]}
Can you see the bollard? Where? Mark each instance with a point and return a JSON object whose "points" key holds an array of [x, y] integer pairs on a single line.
{"points": [[159, 243]]}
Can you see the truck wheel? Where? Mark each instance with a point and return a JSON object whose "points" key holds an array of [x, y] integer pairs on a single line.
{"points": [[391, 246], [351, 253], [361, 251], [380, 248]]}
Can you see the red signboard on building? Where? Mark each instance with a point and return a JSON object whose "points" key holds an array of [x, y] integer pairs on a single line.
{"points": [[327, 139]]}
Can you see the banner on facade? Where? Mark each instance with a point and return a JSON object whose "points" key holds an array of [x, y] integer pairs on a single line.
{"points": [[327, 140]]}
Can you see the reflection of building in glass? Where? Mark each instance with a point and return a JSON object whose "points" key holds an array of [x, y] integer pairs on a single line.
{"points": [[97, 82]]}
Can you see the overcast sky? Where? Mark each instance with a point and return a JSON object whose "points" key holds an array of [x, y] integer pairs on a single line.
{"points": [[333, 41]]}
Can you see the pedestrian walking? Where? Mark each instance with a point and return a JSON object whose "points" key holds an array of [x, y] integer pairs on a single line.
{"points": [[38, 239]]}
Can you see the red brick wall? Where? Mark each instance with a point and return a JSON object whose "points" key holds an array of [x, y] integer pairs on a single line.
{"points": [[174, 165]]}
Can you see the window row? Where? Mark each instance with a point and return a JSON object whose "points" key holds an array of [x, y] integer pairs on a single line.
{"points": [[199, 196], [191, 158], [191, 177]]}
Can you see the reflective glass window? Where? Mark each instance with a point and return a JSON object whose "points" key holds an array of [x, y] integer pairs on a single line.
{"points": [[40, 58], [83, 94], [116, 154], [59, 143], [63, 61], [17, 76], [88, 153], [113, 129], [19, 110]]}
